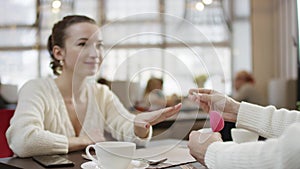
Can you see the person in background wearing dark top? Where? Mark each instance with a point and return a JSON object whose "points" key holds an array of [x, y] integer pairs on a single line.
{"points": [[244, 84]]}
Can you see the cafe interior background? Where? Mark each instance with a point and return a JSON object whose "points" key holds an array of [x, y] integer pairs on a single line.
{"points": [[177, 40]]}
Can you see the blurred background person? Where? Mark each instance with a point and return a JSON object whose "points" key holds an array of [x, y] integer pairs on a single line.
{"points": [[154, 98], [244, 85]]}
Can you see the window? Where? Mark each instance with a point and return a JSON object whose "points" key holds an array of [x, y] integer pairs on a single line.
{"points": [[140, 42], [18, 59]]}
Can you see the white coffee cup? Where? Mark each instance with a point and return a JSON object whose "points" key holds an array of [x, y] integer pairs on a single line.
{"points": [[112, 154], [205, 130], [242, 135]]}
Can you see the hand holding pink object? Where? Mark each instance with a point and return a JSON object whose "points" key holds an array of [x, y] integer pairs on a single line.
{"points": [[200, 140], [216, 121], [210, 100]]}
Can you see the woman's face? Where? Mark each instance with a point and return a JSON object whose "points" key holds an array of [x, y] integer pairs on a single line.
{"points": [[239, 82], [83, 49]]}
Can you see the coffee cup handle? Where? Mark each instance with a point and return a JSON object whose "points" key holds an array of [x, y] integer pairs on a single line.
{"points": [[87, 151]]}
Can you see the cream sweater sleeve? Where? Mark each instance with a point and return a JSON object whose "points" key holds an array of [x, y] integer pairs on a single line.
{"points": [[266, 121], [26, 135], [119, 122], [281, 152]]}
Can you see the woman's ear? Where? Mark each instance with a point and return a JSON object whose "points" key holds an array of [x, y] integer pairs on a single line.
{"points": [[58, 52]]}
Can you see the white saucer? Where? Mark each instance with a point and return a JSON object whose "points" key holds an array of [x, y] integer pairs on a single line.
{"points": [[133, 165], [89, 165]]}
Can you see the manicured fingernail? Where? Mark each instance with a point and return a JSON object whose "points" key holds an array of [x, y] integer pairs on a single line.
{"points": [[147, 126]]}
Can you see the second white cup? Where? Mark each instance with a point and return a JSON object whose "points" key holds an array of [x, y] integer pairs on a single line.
{"points": [[112, 154]]}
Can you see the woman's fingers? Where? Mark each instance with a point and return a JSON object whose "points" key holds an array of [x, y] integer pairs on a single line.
{"points": [[205, 98], [206, 91], [203, 101], [144, 120], [202, 94], [163, 114], [201, 90], [178, 106], [205, 106], [192, 91], [170, 111]]}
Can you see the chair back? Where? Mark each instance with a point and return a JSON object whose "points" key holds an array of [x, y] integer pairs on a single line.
{"points": [[5, 116]]}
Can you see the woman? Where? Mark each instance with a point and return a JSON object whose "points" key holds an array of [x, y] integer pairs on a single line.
{"points": [[281, 127], [245, 90], [153, 96], [57, 116]]}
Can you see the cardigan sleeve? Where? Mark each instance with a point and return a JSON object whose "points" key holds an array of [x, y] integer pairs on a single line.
{"points": [[26, 135], [119, 122], [279, 153], [266, 121]]}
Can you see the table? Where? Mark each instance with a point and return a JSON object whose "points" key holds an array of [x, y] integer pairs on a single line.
{"points": [[28, 163]]}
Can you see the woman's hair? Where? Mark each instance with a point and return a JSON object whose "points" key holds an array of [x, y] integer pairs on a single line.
{"points": [[58, 37], [151, 84], [246, 76]]}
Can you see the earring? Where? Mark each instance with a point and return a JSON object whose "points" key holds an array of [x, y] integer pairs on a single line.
{"points": [[61, 62]]}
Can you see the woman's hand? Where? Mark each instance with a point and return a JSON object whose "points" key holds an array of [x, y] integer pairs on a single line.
{"points": [[199, 142], [94, 136], [143, 121], [79, 143], [212, 100]]}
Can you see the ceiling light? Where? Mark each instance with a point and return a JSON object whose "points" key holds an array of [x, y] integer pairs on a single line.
{"points": [[199, 6], [56, 4], [207, 2]]}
